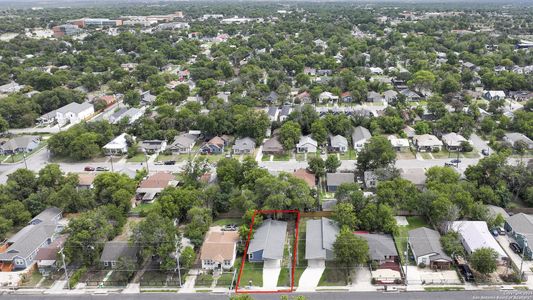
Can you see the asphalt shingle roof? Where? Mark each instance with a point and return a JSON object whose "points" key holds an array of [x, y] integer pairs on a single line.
{"points": [[269, 237]]}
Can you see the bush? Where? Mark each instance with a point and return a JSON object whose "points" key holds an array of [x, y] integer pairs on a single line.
{"points": [[75, 278], [422, 265]]}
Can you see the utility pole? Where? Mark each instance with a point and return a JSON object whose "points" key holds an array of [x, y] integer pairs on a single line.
{"points": [[522, 263], [112, 170], [64, 267], [24, 157], [176, 245], [146, 160]]}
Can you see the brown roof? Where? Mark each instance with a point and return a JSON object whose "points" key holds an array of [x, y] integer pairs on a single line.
{"points": [[158, 180], [217, 141], [85, 178], [50, 252], [219, 245], [306, 176]]}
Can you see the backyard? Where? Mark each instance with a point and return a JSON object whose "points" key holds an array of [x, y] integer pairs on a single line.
{"points": [[401, 237]]}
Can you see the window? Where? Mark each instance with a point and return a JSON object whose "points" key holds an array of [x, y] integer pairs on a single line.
{"points": [[19, 261], [105, 263], [251, 256], [113, 263]]}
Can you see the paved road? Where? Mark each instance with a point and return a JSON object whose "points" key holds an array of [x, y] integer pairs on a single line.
{"points": [[457, 295]]}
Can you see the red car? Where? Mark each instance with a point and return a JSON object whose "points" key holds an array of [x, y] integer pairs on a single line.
{"points": [[88, 168]]}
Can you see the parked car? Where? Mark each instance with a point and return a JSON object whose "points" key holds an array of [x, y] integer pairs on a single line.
{"points": [[88, 168], [102, 169], [466, 272], [158, 162], [485, 152], [456, 161], [449, 164], [170, 162], [495, 232], [502, 231], [515, 247], [229, 227]]}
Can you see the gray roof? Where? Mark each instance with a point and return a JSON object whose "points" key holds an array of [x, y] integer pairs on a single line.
{"points": [[74, 107], [273, 96], [338, 140], [19, 142], [272, 144], [269, 237], [272, 111], [118, 114], [285, 110], [46, 215], [183, 140], [379, 245], [152, 144], [360, 133], [521, 223], [426, 241], [319, 238], [116, 249], [494, 211], [336, 179], [244, 143], [514, 137], [28, 240]]}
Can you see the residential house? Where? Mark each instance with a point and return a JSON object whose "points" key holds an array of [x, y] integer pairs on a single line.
{"points": [[338, 143], [19, 251], [324, 72], [416, 176], [346, 97], [213, 146], [512, 137], [320, 236], [310, 71], [306, 145], [327, 97], [520, 226], [219, 250], [427, 143], [370, 179], [390, 96], [118, 146], [285, 112], [382, 252], [475, 235], [427, 249], [306, 176], [244, 145], [85, 181], [153, 146], [360, 136], [72, 113], [334, 180], [132, 114], [409, 131], [183, 143], [494, 211], [273, 113], [116, 250], [268, 242], [494, 95], [272, 97], [398, 144], [11, 87], [303, 97], [410, 96], [20, 144], [374, 97], [376, 70], [273, 146], [521, 95], [152, 186], [46, 256], [453, 141], [147, 98]]}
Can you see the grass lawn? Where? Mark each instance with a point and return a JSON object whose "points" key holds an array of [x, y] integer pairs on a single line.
{"points": [[20, 156], [425, 155], [212, 158], [401, 238], [225, 280], [222, 222], [405, 155], [137, 158], [177, 157], [251, 271], [333, 275], [203, 280], [444, 154], [153, 278], [300, 157], [472, 154], [282, 157], [142, 208], [351, 154], [266, 157]]}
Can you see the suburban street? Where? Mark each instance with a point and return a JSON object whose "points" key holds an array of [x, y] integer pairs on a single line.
{"points": [[455, 295]]}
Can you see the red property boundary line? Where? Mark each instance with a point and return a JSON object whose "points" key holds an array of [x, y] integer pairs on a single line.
{"points": [[295, 251]]}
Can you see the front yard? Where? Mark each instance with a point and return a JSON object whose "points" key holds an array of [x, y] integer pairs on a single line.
{"points": [[351, 154], [138, 158], [333, 275], [252, 272]]}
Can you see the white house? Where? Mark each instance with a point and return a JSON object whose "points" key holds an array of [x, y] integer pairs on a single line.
{"points": [[475, 235], [72, 113], [427, 143], [118, 146], [306, 145], [398, 144], [360, 136], [327, 96], [453, 141], [494, 95], [338, 143]]}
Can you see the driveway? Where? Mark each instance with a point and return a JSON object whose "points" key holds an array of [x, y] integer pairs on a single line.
{"points": [[311, 275], [479, 144], [271, 270], [416, 275], [362, 280]]}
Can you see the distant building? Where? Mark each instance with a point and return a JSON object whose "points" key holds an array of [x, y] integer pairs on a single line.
{"points": [[66, 29], [334, 180], [150, 187], [118, 146], [72, 113], [20, 144]]}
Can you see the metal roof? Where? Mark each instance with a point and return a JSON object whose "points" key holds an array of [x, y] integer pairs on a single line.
{"points": [[269, 237]]}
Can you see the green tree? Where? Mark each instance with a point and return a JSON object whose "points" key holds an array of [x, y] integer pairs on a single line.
{"points": [[332, 163], [4, 125], [422, 80], [132, 98], [377, 153], [351, 193], [317, 166], [349, 250], [319, 132], [451, 244], [289, 134], [345, 215], [5, 226], [484, 260], [187, 257]]}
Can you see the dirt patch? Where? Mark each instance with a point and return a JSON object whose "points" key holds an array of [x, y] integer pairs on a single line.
{"points": [[128, 228]]}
